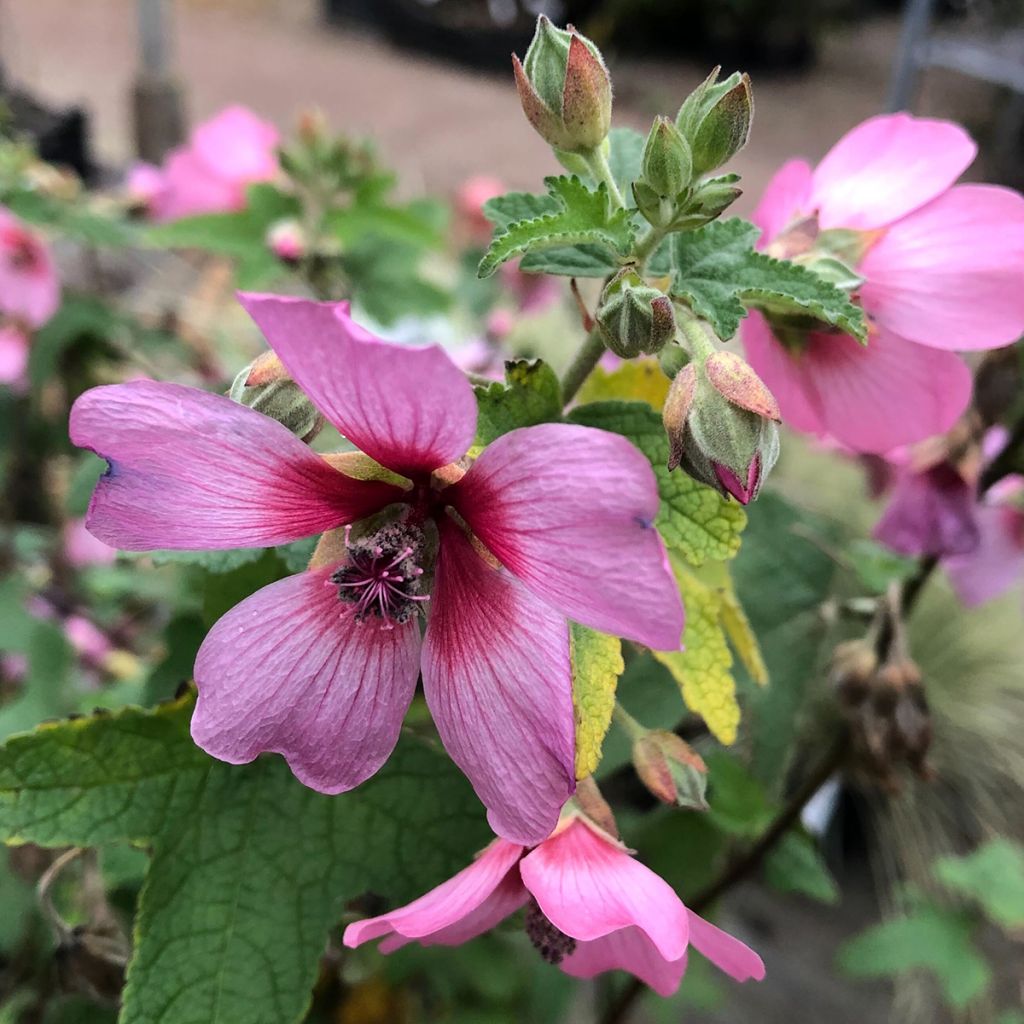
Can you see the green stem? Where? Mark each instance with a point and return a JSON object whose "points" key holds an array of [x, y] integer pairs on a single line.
{"points": [[698, 342], [588, 356], [647, 246], [627, 723], [598, 164]]}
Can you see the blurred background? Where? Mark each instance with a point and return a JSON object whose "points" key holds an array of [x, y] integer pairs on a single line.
{"points": [[99, 84]]}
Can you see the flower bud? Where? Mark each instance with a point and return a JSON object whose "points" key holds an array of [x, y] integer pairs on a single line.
{"points": [[671, 769], [715, 120], [667, 163], [721, 425], [565, 89], [287, 241], [264, 385], [633, 317]]}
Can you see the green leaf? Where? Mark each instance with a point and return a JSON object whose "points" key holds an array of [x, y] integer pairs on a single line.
{"points": [[716, 270], [531, 394], [44, 690], [512, 207], [932, 938], [876, 566], [596, 666], [583, 216], [70, 218], [695, 522], [625, 157], [738, 803], [795, 864], [574, 261], [249, 869], [79, 316], [993, 875], [233, 234]]}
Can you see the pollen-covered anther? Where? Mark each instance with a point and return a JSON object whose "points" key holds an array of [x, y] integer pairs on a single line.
{"points": [[553, 945], [382, 579]]}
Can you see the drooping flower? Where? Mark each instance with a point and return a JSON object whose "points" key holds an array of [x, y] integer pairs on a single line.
{"points": [[29, 286], [591, 908], [941, 267], [209, 174], [550, 522]]}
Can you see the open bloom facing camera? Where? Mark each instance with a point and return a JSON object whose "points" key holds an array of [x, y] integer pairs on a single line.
{"points": [[940, 265], [549, 522], [591, 907]]}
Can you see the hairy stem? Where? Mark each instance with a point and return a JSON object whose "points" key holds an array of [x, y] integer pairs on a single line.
{"points": [[588, 356], [645, 248], [598, 164]]}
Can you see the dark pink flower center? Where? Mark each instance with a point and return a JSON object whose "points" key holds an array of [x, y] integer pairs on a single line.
{"points": [[553, 945], [382, 578], [21, 248]]}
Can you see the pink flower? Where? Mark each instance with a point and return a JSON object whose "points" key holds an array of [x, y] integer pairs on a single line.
{"points": [[29, 287], [470, 199], [146, 186], [930, 512], [14, 346], [322, 666], [941, 264], [591, 908], [81, 548], [210, 174]]}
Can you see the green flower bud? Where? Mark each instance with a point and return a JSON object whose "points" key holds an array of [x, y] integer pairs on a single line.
{"points": [[721, 423], [715, 120], [264, 385], [565, 89], [667, 163], [671, 769], [633, 317]]}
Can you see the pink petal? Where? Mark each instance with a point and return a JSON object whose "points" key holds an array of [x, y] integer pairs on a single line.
{"points": [[29, 286], [237, 145], [784, 200], [497, 680], [13, 355], [570, 510], [781, 373], [930, 513], [468, 904], [628, 949], [998, 561], [192, 470], [872, 399], [81, 548], [726, 953], [191, 188], [950, 274], [589, 887], [887, 167], [286, 671], [409, 408]]}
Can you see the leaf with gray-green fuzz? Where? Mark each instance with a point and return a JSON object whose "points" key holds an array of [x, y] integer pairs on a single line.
{"points": [[249, 869], [530, 395]]}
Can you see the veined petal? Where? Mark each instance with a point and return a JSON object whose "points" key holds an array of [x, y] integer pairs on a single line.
{"points": [[949, 275], [588, 888], [887, 167], [628, 949], [728, 954], [191, 470], [570, 510], [465, 906], [286, 671], [785, 198], [411, 409], [497, 679]]}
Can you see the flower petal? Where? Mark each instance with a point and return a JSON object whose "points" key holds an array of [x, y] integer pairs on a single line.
{"points": [[468, 904], [285, 671], [949, 275], [191, 188], [192, 470], [497, 680], [872, 399], [237, 145], [887, 167], [411, 409], [29, 284], [728, 954], [998, 561], [589, 887], [628, 949], [570, 510], [784, 200]]}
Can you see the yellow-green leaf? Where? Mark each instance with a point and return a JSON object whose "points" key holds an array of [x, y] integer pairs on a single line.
{"points": [[596, 667], [639, 379], [734, 621]]}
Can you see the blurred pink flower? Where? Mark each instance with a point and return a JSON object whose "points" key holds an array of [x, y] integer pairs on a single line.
{"points": [[942, 266], [470, 199], [591, 908], [14, 346], [81, 548], [89, 642], [321, 666], [209, 174], [29, 286]]}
